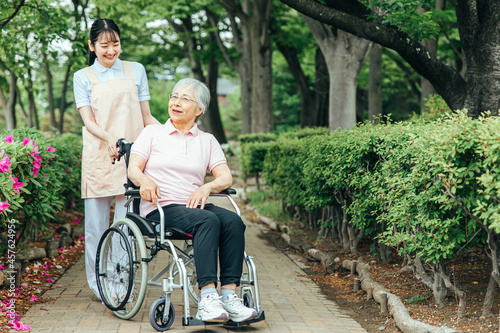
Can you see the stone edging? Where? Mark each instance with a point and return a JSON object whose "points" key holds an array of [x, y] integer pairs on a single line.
{"points": [[388, 301]]}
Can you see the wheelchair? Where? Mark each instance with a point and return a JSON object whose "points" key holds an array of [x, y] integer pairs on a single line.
{"points": [[128, 246]]}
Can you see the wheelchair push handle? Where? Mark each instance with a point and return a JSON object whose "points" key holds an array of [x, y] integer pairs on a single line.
{"points": [[123, 149]]}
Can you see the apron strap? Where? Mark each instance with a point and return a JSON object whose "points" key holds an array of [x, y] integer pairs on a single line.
{"points": [[91, 75], [128, 70]]}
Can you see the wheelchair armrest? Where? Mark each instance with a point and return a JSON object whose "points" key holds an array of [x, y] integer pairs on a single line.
{"points": [[226, 192], [229, 191]]}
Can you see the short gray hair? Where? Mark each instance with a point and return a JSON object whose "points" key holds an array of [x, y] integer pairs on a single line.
{"points": [[201, 92]]}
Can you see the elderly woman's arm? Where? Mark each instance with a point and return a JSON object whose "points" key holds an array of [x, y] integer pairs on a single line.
{"points": [[148, 189], [222, 181]]}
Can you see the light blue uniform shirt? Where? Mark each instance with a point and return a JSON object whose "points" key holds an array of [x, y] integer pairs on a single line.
{"points": [[82, 86]]}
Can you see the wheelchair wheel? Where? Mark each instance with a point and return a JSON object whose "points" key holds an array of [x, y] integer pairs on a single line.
{"points": [[156, 313], [248, 300], [120, 272]]}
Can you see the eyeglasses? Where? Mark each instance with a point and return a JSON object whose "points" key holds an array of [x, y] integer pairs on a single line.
{"points": [[183, 99]]}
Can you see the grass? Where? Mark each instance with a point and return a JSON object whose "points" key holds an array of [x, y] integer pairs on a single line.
{"points": [[268, 205]]}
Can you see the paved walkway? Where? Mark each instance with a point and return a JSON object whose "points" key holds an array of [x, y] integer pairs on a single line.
{"points": [[291, 301]]}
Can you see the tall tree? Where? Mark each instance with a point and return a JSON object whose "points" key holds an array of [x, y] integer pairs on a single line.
{"points": [[294, 40], [344, 55], [254, 23], [478, 24], [375, 83], [211, 121], [239, 62], [35, 26]]}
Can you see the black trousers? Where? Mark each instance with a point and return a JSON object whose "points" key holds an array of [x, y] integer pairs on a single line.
{"points": [[218, 233]]}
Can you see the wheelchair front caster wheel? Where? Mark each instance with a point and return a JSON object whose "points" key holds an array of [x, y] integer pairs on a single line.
{"points": [[248, 300], [156, 313]]}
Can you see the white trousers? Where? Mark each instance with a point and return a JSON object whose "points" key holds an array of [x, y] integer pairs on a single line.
{"points": [[97, 216]]}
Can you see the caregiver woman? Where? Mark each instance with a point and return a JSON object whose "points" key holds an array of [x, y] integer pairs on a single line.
{"points": [[113, 99]]}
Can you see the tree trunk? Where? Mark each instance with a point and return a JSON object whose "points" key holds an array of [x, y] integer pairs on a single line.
{"points": [[353, 17], [211, 121], [245, 71], [313, 104], [479, 28], [10, 109], [241, 39], [62, 104], [375, 83], [32, 114], [261, 59], [214, 121], [321, 90], [344, 54], [489, 298], [50, 92], [439, 288]]}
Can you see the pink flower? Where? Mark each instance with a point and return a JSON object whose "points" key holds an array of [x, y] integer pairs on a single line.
{"points": [[36, 166], [2, 267], [67, 171], [9, 138], [17, 184], [5, 164], [26, 141], [49, 280], [4, 205], [51, 149], [73, 204], [45, 274], [77, 220], [33, 298], [18, 326]]}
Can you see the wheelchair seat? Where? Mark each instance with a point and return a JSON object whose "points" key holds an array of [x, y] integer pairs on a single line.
{"points": [[151, 229]]}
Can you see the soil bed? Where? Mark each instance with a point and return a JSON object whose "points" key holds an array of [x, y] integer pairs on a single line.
{"points": [[471, 269]]}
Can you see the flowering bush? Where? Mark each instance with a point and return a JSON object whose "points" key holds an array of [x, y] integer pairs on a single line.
{"points": [[34, 182]]}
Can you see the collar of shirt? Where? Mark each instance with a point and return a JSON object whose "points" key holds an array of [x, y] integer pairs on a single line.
{"points": [[99, 69], [171, 129]]}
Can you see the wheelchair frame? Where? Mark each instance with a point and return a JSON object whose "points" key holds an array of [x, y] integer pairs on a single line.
{"points": [[142, 231]]}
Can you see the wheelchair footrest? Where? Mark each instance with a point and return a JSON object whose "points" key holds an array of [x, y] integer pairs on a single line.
{"points": [[191, 321], [259, 317]]}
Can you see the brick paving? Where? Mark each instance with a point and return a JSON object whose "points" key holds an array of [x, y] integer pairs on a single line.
{"points": [[291, 301]]}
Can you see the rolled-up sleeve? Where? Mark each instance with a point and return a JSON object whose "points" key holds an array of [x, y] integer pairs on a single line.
{"points": [[142, 84], [142, 145], [81, 89], [217, 156]]}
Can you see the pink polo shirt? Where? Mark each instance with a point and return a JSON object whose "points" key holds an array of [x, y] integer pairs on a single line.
{"points": [[176, 162]]}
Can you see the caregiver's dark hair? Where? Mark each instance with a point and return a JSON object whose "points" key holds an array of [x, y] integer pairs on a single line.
{"points": [[102, 26]]}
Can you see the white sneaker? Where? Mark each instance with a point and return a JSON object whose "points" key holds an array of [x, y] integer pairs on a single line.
{"points": [[236, 310], [210, 309]]}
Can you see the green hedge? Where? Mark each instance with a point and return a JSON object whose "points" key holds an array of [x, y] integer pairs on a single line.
{"points": [[39, 176], [426, 189]]}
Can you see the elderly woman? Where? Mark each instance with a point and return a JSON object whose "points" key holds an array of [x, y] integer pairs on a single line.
{"points": [[169, 163]]}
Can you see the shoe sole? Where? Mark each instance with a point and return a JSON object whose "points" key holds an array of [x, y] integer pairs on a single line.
{"points": [[239, 320], [213, 320]]}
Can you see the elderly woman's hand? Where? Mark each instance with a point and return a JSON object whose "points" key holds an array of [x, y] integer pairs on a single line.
{"points": [[199, 197], [149, 191]]}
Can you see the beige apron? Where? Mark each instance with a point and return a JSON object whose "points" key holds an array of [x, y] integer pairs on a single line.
{"points": [[117, 110]]}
